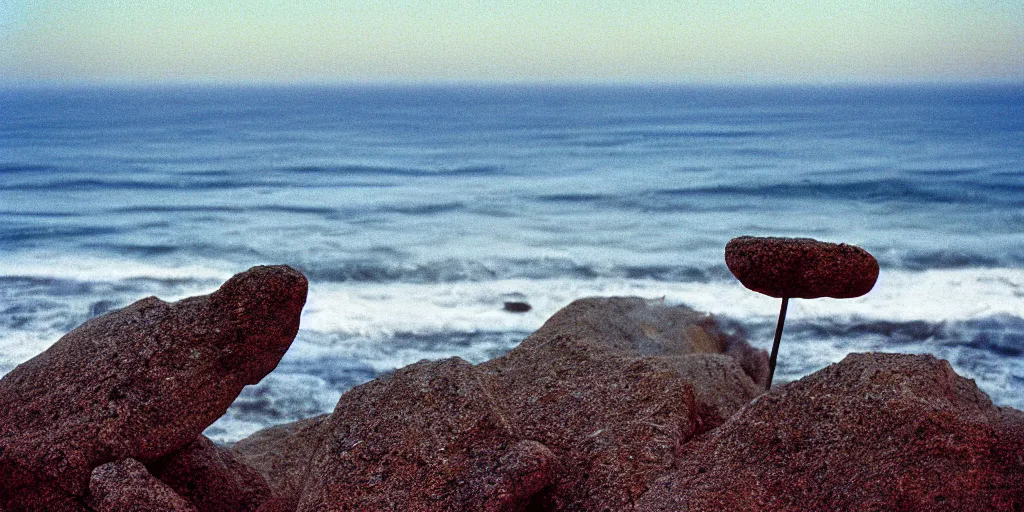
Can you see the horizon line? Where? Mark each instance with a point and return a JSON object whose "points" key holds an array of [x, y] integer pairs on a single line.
{"points": [[494, 83]]}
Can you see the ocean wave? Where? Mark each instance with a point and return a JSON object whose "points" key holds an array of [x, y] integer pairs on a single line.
{"points": [[947, 258], [869, 190], [899, 297], [48, 265], [455, 270], [385, 170], [17, 168], [14, 235], [310, 210]]}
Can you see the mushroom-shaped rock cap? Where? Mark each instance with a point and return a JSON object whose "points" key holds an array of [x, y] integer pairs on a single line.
{"points": [[801, 267]]}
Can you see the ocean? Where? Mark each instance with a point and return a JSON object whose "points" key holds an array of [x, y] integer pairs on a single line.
{"points": [[416, 212]]}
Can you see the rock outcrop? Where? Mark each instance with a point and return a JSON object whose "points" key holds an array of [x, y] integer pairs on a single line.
{"points": [[125, 485], [873, 432], [140, 383], [584, 414], [614, 388], [211, 477], [801, 267], [614, 404], [427, 437]]}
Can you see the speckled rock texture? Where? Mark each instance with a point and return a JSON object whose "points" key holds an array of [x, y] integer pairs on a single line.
{"points": [[140, 382], [124, 486], [427, 437], [873, 432], [211, 477], [614, 387], [801, 267], [282, 454], [636, 327], [581, 416]]}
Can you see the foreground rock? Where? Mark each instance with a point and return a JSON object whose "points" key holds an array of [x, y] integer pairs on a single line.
{"points": [[211, 477], [873, 432], [125, 485], [614, 388], [583, 415], [140, 382], [801, 267], [427, 437]]}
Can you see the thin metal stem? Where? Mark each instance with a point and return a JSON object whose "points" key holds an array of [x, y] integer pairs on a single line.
{"points": [[778, 338]]}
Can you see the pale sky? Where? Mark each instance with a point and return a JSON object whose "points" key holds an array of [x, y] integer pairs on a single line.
{"points": [[526, 40]]}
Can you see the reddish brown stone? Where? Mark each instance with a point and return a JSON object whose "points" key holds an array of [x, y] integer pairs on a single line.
{"points": [[140, 382], [211, 477], [282, 454], [873, 432], [427, 437], [801, 267], [632, 326], [125, 485], [614, 388]]}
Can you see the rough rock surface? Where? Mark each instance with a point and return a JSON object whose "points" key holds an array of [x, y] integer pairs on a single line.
{"points": [[125, 485], [801, 267], [633, 327], [282, 454], [614, 388], [211, 477], [427, 437], [140, 382], [873, 432]]}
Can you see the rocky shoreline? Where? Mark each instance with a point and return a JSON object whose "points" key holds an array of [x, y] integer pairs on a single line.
{"points": [[614, 404]]}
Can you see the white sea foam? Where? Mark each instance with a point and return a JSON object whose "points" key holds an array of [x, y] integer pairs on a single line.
{"points": [[46, 265], [382, 309]]}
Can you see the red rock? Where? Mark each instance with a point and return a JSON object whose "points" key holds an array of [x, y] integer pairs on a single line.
{"points": [[125, 485], [140, 382], [211, 477], [637, 327], [581, 416], [427, 437], [801, 267], [282, 454], [873, 432], [614, 388]]}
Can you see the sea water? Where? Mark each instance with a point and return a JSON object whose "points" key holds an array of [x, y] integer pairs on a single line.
{"points": [[417, 211]]}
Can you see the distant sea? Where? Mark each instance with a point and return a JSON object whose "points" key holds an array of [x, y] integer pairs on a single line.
{"points": [[416, 212]]}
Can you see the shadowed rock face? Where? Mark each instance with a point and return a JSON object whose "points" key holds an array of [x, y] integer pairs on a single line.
{"points": [[125, 485], [873, 432], [801, 267], [427, 437], [140, 382], [211, 477]]}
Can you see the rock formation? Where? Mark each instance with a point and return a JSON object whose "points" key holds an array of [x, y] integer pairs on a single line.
{"points": [[211, 477], [125, 485], [614, 388], [582, 415], [873, 432], [801, 267], [614, 404], [140, 383], [427, 437]]}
